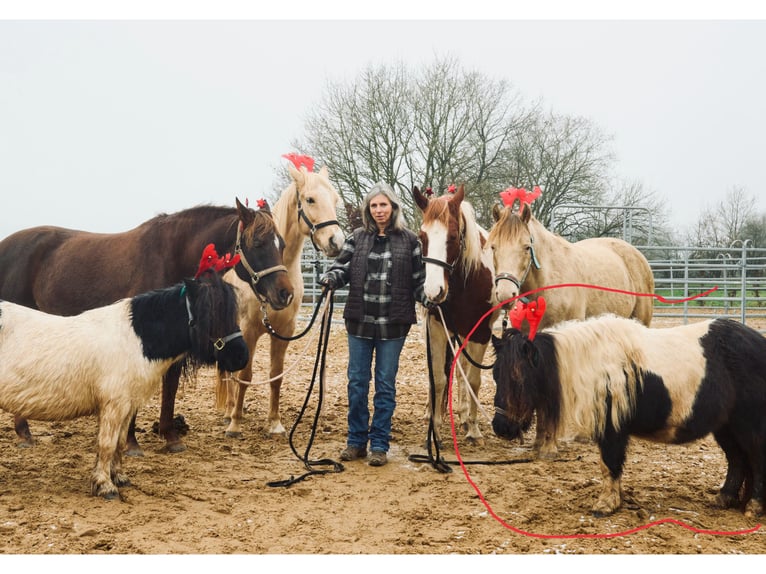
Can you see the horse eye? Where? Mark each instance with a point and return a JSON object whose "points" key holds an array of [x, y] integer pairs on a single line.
{"points": [[310, 200]]}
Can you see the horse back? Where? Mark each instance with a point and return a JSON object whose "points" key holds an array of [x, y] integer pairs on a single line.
{"points": [[24, 257]]}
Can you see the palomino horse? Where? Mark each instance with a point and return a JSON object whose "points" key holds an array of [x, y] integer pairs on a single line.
{"points": [[109, 361], [459, 276], [611, 377], [306, 209], [527, 257], [65, 272]]}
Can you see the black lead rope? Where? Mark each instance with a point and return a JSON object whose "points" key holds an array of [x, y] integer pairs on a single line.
{"points": [[319, 365]]}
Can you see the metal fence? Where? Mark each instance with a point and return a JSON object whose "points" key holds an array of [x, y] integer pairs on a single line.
{"points": [[738, 275]]}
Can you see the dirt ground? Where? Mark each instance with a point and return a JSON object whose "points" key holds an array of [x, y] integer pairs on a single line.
{"points": [[215, 498]]}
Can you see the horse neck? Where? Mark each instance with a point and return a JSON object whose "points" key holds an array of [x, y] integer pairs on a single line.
{"points": [[288, 225], [472, 258]]}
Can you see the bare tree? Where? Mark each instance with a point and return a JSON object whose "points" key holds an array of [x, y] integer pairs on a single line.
{"points": [[724, 223]]}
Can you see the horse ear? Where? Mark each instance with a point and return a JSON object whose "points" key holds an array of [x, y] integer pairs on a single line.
{"points": [[497, 211], [298, 176], [246, 215], [191, 286], [526, 212], [496, 341], [459, 195], [420, 199], [324, 172]]}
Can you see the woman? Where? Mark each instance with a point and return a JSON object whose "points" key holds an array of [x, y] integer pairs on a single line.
{"points": [[381, 263]]}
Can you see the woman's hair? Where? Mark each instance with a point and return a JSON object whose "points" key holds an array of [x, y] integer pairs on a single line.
{"points": [[397, 219]]}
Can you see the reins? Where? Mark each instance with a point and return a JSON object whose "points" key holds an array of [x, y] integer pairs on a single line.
{"points": [[319, 365]]}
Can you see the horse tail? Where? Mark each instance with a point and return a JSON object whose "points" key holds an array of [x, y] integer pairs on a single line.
{"points": [[643, 282], [221, 391]]}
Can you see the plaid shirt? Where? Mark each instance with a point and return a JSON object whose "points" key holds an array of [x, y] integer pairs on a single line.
{"points": [[377, 288]]}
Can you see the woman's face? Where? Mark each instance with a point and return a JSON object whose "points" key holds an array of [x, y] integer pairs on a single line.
{"points": [[381, 210]]}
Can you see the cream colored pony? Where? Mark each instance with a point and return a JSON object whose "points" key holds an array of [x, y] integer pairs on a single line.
{"points": [[306, 209], [527, 257]]}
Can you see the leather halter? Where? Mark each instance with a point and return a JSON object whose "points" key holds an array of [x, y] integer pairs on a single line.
{"points": [[450, 267], [255, 276], [512, 278], [218, 343], [313, 228]]}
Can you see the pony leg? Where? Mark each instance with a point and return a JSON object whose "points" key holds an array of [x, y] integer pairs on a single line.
{"points": [[110, 425], [21, 426], [132, 446], [545, 445], [736, 472], [278, 349], [613, 448], [167, 430], [117, 476]]}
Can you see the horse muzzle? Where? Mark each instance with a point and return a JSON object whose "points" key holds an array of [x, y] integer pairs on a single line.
{"points": [[231, 352]]}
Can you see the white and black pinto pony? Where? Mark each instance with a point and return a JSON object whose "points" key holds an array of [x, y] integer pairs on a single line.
{"points": [[613, 378], [111, 360]]}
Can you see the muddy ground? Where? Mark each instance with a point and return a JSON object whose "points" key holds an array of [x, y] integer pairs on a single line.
{"points": [[215, 498]]}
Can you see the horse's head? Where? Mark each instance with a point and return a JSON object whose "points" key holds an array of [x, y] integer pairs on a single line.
{"points": [[317, 200], [441, 236], [513, 252], [260, 247], [213, 316], [516, 371]]}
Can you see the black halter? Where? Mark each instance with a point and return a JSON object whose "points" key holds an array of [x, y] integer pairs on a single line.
{"points": [[312, 227], [255, 276], [450, 267]]}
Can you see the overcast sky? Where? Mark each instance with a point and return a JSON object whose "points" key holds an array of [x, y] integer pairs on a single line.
{"points": [[105, 123]]}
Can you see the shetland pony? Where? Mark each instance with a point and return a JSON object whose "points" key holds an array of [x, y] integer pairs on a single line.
{"points": [[304, 210], [110, 360], [613, 378], [526, 256], [67, 271], [459, 276]]}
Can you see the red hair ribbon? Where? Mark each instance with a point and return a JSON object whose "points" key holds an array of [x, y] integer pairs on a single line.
{"points": [[452, 188], [261, 203], [533, 312], [429, 191], [510, 195], [300, 160], [211, 261]]}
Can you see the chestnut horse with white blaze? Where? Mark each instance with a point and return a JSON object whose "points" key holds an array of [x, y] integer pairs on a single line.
{"points": [[459, 279], [306, 209], [526, 257], [612, 378], [109, 361]]}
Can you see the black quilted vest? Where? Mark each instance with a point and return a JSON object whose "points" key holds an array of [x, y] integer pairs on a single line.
{"points": [[402, 243]]}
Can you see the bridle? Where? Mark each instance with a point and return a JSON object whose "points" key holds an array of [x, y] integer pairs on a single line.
{"points": [[512, 278], [313, 228], [449, 267], [255, 276]]}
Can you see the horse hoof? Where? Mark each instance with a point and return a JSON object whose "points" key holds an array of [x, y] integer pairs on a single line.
{"points": [[134, 451], [174, 447], [25, 444]]}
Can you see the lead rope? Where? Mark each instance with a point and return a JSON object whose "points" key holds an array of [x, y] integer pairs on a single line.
{"points": [[432, 444], [319, 365]]}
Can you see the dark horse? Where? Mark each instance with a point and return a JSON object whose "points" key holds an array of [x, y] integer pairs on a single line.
{"points": [[65, 272], [612, 378]]}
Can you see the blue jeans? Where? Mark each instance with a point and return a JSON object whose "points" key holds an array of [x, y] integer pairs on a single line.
{"points": [[360, 353]]}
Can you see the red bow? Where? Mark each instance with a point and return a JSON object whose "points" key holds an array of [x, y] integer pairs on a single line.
{"points": [[452, 188], [532, 312], [261, 203], [211, 261], [429, 191], [510, 195], [300, 160]]}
